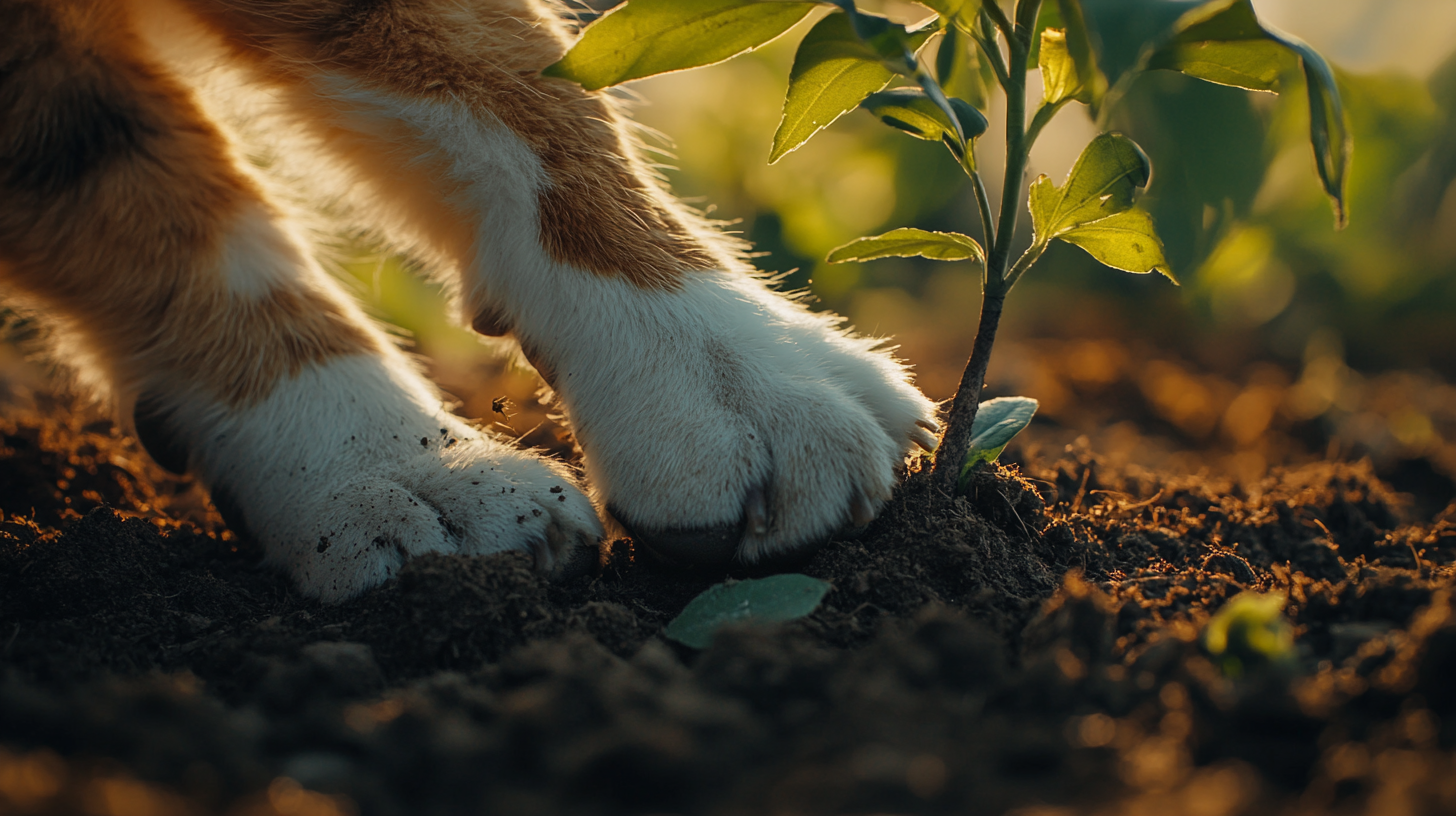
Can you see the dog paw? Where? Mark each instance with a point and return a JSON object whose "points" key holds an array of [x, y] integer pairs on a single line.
{"points": [[351, 468], [723, 422]]}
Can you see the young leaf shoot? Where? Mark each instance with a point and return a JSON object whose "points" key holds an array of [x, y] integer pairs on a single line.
{"points": [[763, 600]]}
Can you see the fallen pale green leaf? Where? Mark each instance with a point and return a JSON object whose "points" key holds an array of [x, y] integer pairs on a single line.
{"points": [[907, 242], [762, 600], [649, 37]]}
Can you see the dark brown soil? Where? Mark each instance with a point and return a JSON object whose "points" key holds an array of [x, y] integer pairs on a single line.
{"points": [[1032, 647]]}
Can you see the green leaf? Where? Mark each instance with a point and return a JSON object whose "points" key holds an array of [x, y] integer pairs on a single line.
{"points": [[1224, 42], [1059, 79], [1125, 241], [1048, 16], [763, 600], [908, 242], [894, 44], [648, 37], [957, 68], [1084, 56], [912, 111], [1329, 133], [833, 72], [1102, 183], [997, 422], [950, 9]]}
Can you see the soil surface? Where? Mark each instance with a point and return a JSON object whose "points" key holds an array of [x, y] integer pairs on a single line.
{"points": [[1036, 647]]}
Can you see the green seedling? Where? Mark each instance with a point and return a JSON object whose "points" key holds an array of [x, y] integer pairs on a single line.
{"points": [[763, 600], [1249, 633], [997, 421], [849, 58]]}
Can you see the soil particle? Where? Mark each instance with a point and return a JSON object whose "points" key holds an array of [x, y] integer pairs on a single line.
{"points": [[1032, 644]]}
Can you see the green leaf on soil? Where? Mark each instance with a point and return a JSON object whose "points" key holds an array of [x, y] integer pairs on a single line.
{"points": [[908, 242], [1224, 42], [648, 37], [833, 72], [1125, 241], [997, 422], [1249, 633], [911, 110], [1102, 183], [762, 600]]}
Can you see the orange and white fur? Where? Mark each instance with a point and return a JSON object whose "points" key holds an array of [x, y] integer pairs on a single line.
{"points": [[718, 419]]}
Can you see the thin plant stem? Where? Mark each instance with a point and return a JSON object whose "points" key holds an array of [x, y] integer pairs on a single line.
{"points": [[983, 204], [1031, 256], [1044, 115], [956, 443], [993, 10]]}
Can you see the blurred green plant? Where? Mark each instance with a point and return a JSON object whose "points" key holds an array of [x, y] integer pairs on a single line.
{"points": [[1249, 633], [850, 56]]}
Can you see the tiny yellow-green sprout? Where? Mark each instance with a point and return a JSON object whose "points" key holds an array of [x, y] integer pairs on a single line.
{"points": [[1249, 633]]}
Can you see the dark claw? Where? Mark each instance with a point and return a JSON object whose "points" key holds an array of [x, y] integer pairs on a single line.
{"points": [[755, 511], [712, 548], [861, 512], [577, 560]]}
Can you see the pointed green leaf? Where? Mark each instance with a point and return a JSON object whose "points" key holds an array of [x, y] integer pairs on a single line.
{"points": [[833, 72], [648, 37], [1102, 183], [1224, 42], [893, 43], [1125, 241], [763, 600], [912, 111], [997, 422], [1329, 133], [907, 242]]}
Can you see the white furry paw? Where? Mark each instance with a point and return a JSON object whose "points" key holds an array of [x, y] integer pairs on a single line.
{"points": [[723, 422], [349, 469]]}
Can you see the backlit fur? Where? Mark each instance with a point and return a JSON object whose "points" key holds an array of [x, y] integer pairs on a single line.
{"points": [[702, 399]]}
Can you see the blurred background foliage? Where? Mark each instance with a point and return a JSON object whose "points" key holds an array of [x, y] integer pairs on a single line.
{"points": [[1287, 338]]}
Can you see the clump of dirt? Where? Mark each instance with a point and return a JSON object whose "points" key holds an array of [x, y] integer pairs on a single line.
{"points": [[1033, 644]]}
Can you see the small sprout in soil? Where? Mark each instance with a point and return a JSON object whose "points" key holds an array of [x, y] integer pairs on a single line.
{"points": [[997, 421], [763, 600], [1249, 633]]}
